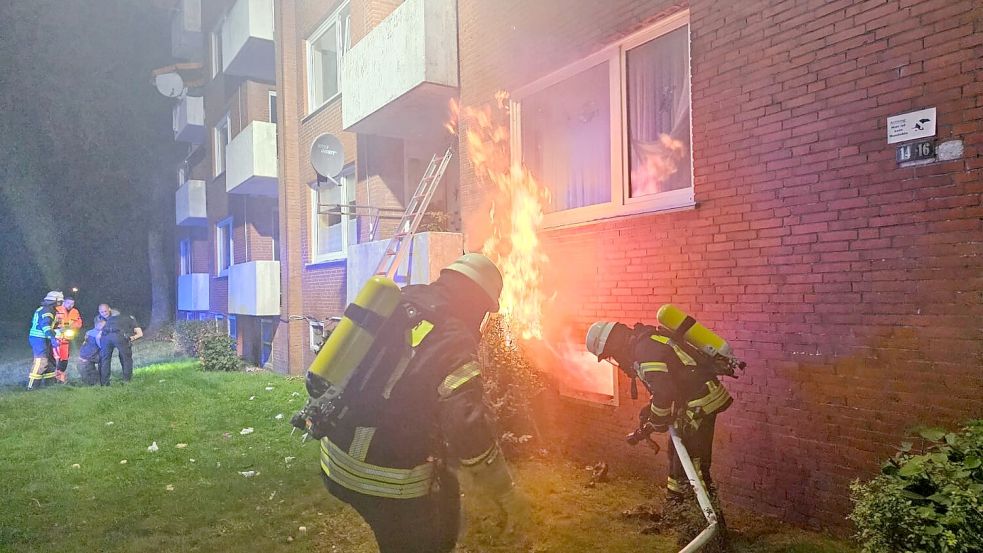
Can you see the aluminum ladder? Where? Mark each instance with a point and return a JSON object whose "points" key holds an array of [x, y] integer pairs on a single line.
{"points": [[400, 242]]}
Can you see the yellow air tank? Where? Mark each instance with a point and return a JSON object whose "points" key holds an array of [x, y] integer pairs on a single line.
{"points": [[696, 335], [352, 339]]}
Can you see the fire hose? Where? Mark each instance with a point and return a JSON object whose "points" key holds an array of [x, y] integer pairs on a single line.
{"points": [[644, 432]]}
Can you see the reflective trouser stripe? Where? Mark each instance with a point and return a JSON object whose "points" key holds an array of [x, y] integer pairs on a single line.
{"points": [[374, 480], [673, 485], [716, 398], [653, 367], [458, 378], [661, 412], [487, 457], [360, 443]]}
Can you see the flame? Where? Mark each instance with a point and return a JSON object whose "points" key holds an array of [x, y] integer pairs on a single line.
{"points": [[660, 160]]}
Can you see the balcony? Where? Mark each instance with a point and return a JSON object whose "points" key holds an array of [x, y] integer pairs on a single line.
{"points": [[186, 37], [429, 253], [254, 288], [189, 204], [250, 161], [247, 41], [188, 120], [192, 292], [398, 79]]}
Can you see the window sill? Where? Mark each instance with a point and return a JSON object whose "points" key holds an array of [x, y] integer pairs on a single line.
{"points": [[330, 259], [321, 107], [605, 213]]}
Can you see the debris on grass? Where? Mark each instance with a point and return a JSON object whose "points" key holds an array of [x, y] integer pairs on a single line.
{"points": [[248, 473], [287, 460], [246, 431], [152, 448], [123, 462], [295, 394], [252, 398], [192, 460], [599, 473], [290, 539], [272, 495], [269, 388], [302, 529], [279, 416], [181, 446], [110, 423], [169, 487], [76, 466], [227, 435], [161, 381]]}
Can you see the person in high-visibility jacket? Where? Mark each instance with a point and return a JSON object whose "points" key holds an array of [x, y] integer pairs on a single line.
{"points": [[68, 321], [393, 455], [40, 337], [685, 393]]}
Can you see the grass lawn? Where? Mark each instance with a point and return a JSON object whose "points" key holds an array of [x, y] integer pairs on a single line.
{"points": [[65, 487]]}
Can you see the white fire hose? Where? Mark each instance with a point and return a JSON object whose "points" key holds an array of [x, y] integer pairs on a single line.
{"points": [[701, 495]]}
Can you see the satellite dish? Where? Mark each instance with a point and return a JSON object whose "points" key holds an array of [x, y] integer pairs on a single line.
{"points": [[169, 84], [328, 156]]}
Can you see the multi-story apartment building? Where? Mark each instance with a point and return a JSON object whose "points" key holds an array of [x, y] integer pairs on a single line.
{"points": [[733, 158]]}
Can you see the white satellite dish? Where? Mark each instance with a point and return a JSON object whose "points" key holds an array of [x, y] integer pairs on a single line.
{"points": [[169, 84], [328, 157]]}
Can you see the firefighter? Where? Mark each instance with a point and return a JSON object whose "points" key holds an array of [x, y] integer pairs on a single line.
{"points": [[120, 331], [685, 393], [68, 322], [40, 337], [394, 455]]}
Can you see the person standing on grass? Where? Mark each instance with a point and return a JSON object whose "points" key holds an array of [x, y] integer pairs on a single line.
{"points": [[119, 333], [68, 321], [40, 336]]}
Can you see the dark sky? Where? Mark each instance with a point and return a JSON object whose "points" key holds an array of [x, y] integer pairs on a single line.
{"points": [[84, 140]]}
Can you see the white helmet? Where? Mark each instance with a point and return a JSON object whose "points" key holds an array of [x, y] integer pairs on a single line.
{"points": [[597, 337], [54, 295], [483, 272]]}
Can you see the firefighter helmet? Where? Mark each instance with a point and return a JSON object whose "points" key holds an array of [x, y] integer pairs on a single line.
{"points": [[483, 272], [597, 337], [54, 295]]}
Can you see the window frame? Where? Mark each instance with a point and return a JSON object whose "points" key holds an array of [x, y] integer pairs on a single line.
{"points": [[342, 46], [274, 115], [185, 257], [232, 326], [227, 223], [616, 56], [219, 151], [265, 323], [346, 220], [215, 43]]}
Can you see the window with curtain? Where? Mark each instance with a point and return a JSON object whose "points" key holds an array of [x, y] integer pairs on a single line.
{"points": [[324, 51], [566, 139], [658, 114]]}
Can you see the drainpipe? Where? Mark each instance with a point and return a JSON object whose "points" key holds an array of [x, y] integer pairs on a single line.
{"points": [[701, 495]]}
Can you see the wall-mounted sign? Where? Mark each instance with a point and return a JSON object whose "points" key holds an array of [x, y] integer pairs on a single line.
{"points": [[910, 126], [915, 151]]}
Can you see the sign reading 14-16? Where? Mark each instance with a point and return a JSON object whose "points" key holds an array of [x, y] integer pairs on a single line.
{"points": [[909, 126]]}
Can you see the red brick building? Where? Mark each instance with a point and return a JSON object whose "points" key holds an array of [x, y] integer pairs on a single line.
{"points": [[730, 158]]}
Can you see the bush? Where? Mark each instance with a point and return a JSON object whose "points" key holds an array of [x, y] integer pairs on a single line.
{"points": [[929, 501], [510, 382], [189, 335], [218, 353]]}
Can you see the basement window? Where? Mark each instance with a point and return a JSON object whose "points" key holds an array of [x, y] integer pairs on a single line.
{"points": [[325, 49], [610, 135]]}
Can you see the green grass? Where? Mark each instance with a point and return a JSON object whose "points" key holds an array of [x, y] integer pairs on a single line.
{"points": [[47, 505]]}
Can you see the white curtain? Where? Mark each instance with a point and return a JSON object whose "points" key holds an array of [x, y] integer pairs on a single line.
{"points": [[658, 114], [566, 139]]}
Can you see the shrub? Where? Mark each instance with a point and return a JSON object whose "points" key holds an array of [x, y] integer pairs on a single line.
{"points": [[189, 335], [929, 500], [510, 382], [218, 353], [164, 333]]}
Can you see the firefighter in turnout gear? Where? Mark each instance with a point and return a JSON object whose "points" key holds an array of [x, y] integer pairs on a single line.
{"points": [[683, 384], [403, 434], [68, 322], [40, 337]]}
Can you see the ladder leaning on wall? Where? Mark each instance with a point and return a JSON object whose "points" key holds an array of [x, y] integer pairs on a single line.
{"points": [[400, 242]]}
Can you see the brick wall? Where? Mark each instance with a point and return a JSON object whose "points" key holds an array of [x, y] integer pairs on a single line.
{"points": [[852, 287]]}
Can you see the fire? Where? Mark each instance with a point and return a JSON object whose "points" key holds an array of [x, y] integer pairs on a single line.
{"points": [[516, 216], [659, 161]]}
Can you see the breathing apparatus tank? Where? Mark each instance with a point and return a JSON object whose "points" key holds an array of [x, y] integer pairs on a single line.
{"points": [[699, 337], [352, 339]]}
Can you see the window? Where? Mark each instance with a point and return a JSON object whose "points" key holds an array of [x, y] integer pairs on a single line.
{"points": [[273, 114], [233, 327], [315, 335], [610, 135], [221, 140], [275, 233], [325, 49], [223, 246], [184, 249], [181, 178], [333, 230], [216, 48], [219, 320], [267, 328]]}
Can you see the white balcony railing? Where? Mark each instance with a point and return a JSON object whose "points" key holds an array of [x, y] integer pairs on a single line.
{"points": [[429, 253], [398, 79], [186, 37], [254, 288], [188, 120], [250, 161], [189, 204], [192, 292], [247, 40]]}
